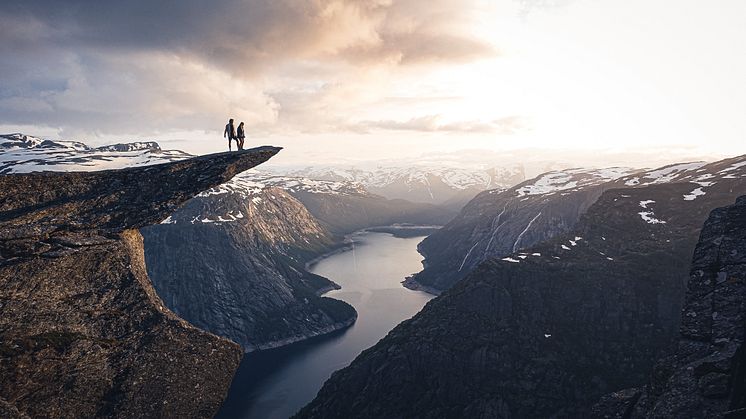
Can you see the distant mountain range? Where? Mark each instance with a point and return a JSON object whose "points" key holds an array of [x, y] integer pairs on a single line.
{"points": [[448, 186]]}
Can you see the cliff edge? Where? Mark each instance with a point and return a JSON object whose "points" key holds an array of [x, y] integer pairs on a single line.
{"points": [[82, 332], [706, 376]]}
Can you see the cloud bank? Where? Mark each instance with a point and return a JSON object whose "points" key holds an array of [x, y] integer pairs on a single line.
{"points": [[137, 66]]}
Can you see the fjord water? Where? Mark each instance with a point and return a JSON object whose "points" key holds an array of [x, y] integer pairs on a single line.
{"points": [[277, 383]]}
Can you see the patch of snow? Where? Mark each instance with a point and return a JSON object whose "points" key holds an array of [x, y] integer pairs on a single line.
{"points": [[633, 182], [645, 204], [565, 247], [703, 184], [694, 194], [648, 217], [511, 260], [733, 167], [670, 173], [570, 180]]}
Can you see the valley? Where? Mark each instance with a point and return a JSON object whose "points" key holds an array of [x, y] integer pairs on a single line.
{"points": [[569, 286], [266, 385]]}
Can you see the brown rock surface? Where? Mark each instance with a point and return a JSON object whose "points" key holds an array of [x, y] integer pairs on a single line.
{"points": [[82, 332]]}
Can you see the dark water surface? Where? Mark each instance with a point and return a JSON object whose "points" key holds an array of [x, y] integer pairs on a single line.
{"points": [[275, 384]]}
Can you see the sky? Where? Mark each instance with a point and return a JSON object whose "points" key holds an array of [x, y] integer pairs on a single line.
{"points": [[594, 82]]}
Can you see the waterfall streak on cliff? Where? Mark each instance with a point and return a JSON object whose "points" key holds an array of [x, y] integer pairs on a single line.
{"points": [[520, 236], [495, 227], [467, 256]]}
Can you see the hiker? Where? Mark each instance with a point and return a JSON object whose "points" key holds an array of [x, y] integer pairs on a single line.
{"points": [[241, 135], [230, 132]]}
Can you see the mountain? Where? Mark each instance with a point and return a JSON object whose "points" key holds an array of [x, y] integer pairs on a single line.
{"points": [[344, 206], [82, 332], [232, 261], [547, 330], [24, 153], [706, 375], [447, 186], [498, 222]]}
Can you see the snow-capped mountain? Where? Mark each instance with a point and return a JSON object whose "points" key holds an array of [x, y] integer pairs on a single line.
{"points": [[438, 185], [251, 183], [499, 223], [21, 153], [341, 203], [570, 180]]}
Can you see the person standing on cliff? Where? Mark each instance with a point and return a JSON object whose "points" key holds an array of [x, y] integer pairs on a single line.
{"points": [[240, 136], [230, 132]]}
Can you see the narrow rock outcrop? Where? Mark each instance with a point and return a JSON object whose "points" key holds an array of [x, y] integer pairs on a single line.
{"points": [[706, 377], [82, 332]]}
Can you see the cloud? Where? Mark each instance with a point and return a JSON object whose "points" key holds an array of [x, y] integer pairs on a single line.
{"points": [[134, 66], [241, 36]]}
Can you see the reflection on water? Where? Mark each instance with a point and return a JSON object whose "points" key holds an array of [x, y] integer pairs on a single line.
{"points": [[276, 383]]}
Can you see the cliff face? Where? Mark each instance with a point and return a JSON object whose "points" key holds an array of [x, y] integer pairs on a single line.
{"points": [[499, 222], [232, 261], [548, 330], [706, 377], [82, 331]]}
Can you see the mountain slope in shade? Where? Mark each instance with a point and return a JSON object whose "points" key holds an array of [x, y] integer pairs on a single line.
{"points": [[234, 264], [82, 332], [706, 376], [498, 223], [342, 206], [547, 330]]}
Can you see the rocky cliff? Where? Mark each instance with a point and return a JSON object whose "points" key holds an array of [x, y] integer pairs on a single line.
{"points": [[706, 376], [546, 331], [82, 331], [497, 223], [232, 261]]}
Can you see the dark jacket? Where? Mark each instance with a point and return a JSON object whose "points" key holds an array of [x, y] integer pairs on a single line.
{"points": [[241, 133]]}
